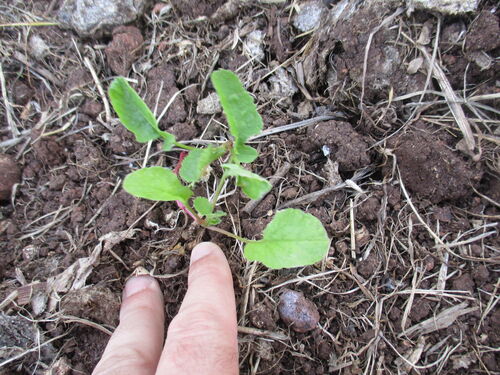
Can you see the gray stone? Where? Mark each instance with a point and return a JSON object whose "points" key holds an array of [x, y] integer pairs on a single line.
{"points": [[254, 45], [89, 17], [209, 105], [309, 16], [446, 6]]}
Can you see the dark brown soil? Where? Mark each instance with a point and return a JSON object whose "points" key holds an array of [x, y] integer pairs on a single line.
{"points": [[430, 169], [124, 49], [345, 315]]}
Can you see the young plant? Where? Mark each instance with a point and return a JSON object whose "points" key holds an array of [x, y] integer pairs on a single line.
{"points": [[293, 238]]}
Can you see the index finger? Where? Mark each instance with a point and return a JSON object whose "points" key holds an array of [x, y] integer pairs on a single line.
{"points": [[202, 338]]}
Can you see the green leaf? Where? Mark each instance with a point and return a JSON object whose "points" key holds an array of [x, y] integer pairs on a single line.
{"points": [[244, 153], [292, 239], [168, 141], [157, 184], [134, 113], [239, 108], [252, 184], [204, 208], [195, 163]]}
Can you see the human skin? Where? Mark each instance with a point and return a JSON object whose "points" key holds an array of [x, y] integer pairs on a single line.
{"points": [[201, 339]]}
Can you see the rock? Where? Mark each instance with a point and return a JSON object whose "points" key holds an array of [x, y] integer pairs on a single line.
{"points": [[10, 174], [446, 6], [253, 45], [89, 17], [124, 49], [309, 16], [209, 105], [19, 334], [297, 311], [282, 85], [38, 48]]}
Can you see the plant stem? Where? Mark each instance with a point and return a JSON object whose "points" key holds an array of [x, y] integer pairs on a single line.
{"points": [[183, 146], [192, 213], [229, 234], [218, 190]]}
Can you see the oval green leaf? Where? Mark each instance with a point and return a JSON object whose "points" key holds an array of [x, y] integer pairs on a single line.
{"points": [[244, 153], [204, 208], [292, 239], [157, 184], [134, 113], [251, 184], [197, 160], [237, 104]]}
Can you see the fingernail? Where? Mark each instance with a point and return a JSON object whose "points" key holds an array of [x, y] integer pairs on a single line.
{"points": [[201, 250], [137, 284]]}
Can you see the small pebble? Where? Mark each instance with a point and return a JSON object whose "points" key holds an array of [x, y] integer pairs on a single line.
{"points": [[297, 311], [309, 16], [209, 105]]}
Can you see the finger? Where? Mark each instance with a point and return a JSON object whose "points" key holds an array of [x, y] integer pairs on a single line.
{"points": [[202, 338], [135, 346]]}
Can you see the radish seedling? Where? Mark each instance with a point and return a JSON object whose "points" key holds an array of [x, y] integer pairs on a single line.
{"points": [[293, 238]]}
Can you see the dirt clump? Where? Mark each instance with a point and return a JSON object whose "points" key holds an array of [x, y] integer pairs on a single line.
{"points": [[184, 131], [263, 317], [464, 282], [10, 174], [431, 170], [367, 267], [96, 303], [346, 146], [124, 49], [297, 311], [338, 55], [162, 86], [479, 37], [22, 93], [368, 210], [420, 310], [194, 9], [49, 151], [480, 274]]}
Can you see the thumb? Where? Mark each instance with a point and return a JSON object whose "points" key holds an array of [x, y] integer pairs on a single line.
{"points": [[202, 338]]}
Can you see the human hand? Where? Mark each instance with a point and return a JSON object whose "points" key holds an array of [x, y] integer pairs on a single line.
{"points": [[201, 339]]}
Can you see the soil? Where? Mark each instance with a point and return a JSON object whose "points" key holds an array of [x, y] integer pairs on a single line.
{"points": [[423, 217]]}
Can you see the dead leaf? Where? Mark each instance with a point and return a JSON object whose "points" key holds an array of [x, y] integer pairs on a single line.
{"points": [[75, 276]]}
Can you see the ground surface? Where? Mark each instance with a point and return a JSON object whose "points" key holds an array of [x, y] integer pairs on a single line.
{"points": [[414, 231]]}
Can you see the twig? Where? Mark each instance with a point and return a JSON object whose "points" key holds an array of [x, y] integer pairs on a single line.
{"points": [[452, 100], [280, 173], [262, 333], [315, 195], [295, 125], [99, 88], [8, 107]]}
